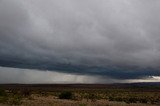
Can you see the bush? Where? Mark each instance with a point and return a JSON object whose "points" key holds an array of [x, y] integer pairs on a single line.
{"points": [[82, 104], [25, 93], [15, 100], [92, 97], [132, 100], [66, 95], [119, 99], [143, 100], [3, 96], [111, 98], [2, 92]]}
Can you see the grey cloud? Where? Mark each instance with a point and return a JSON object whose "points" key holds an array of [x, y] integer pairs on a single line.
{"points": [[116, 38], [15, 75]]}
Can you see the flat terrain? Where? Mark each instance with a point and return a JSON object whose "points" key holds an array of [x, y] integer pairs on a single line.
{"points": [[138, 94]]}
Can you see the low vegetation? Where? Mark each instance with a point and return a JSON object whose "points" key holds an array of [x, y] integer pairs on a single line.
{"points": [[130, 95], [66, 95]]}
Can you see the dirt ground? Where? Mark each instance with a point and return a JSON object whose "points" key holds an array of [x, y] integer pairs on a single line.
{"points": [[37, 100], [80, 95]]}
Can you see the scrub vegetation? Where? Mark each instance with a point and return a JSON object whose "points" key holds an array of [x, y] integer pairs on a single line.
{"points": [[79, 95]]}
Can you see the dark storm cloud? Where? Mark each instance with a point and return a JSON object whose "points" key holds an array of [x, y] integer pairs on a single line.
{"points": [[116, 38]]}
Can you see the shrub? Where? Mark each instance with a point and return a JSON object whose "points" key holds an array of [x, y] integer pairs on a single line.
{"points": [[66, 95], [25, 93], [92, 97], [143, 100], [82, 104], [2, 92], [3, 99], [133, 100], [119, 99], [15, 100], [3, 96], [111, 98]]}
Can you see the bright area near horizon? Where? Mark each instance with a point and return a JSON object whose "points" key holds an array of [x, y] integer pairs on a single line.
{"points": [[30, 76]]}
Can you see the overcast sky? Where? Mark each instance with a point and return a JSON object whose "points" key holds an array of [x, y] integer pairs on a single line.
{"points": [[90, 40]]}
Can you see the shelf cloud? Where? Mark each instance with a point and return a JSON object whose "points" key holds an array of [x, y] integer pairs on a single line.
{"points": [[118, 39]]}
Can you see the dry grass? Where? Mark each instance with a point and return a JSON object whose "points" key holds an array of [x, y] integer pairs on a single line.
{"points": [[81, 96], [38, 100]]}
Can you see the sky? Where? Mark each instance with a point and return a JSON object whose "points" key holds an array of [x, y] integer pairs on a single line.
{"points": [[79, 41]]}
